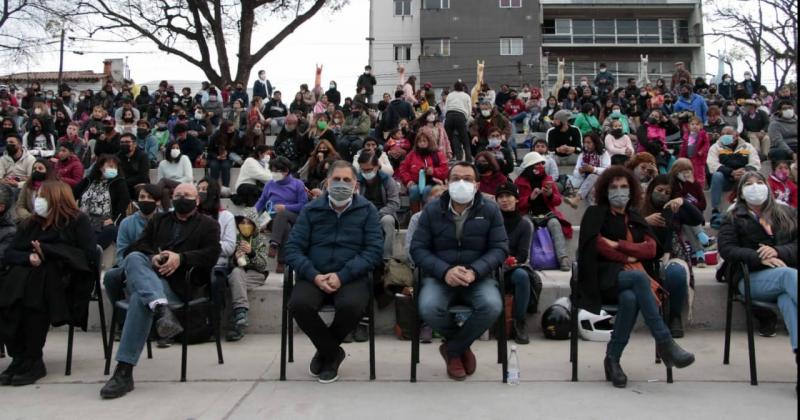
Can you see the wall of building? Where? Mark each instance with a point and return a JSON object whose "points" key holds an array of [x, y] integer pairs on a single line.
{"points": [[474, 28], [386, 31]]}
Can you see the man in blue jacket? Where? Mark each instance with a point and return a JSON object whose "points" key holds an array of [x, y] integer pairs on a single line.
{"points": [[334, 245], [690, 101], [459, 243]]}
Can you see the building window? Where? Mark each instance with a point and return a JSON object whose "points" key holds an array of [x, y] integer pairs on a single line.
{"points": [[436, 4], [402, 52], [510, 46], [402, 7], [648, 31], [436, 47], [510, 4], [667, 31], [619, 31]]}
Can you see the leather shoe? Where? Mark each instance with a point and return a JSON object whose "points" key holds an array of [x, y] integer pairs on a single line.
{"points": [[469, 361], [614, 373], [167, 325], [520, 330], [30, 372], [673, 355], [11, 370], [455, 367], [120, 383]]}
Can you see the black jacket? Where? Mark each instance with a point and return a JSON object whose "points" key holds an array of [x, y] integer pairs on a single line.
{"points": [[136, 169], [396, 111], [198, 245], [117, 188], [597, 277], [741, 235]]}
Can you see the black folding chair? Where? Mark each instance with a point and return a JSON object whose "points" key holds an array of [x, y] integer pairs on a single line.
{"points": [[97, 294], [287, 324], [731, 277], [573, 336], [2, 350], [502, 344], [208, 302]]}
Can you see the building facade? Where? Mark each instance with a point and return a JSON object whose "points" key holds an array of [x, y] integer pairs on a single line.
{"points": [[521, 40]]}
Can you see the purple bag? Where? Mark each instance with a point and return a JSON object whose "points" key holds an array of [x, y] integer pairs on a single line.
{"points": [[543, 254]]}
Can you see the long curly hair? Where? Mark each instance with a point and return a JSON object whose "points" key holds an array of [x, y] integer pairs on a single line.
{"points": [[605, 180]]}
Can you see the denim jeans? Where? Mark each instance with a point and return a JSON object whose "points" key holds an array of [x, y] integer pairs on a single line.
{"points": [[521, 283], [219, 167], [777, 285], [676, 285], [517, 118], [144, 286], [557, 234], [388, 224], [435, 299], [414, 194], [635, 294], [719, 184], [276, 124]]}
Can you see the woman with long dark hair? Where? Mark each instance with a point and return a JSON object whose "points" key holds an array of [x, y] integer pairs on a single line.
{"points": [[617, 263], [42, 171], [49, 260]]}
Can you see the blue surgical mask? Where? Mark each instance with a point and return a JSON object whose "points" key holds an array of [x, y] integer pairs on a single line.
{"points": [[726, 139], [110, 173]]}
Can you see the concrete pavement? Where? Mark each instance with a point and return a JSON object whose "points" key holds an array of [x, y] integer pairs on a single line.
{"points": [[246, 386]]}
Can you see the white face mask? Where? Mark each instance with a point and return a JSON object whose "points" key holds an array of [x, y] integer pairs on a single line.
{"points": [[755, 194], [787, 113], [198, 115], [486, 112], [175, 153], [40, 207], [278, 176], [462, 192], [265, 160], [431, 118], [369, 176]]}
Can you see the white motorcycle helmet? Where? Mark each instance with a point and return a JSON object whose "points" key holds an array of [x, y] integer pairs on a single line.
{"points": [[594, 327]]}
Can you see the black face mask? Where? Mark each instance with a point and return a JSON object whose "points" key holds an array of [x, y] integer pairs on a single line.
{"points": [[11, 149], [147, 207], [108, 129], [184, 206], [38, 176], [203, 197], [483, 168], [142, 132], [162, 128], [617, 132]]}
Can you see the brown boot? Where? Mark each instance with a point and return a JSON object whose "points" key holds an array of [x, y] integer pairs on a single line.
{"points": [[469, 361], [455, 368]]}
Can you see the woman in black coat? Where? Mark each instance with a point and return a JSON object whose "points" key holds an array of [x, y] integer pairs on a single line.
{"points": [[104, 197], [617, 262], [762, 233], [47, 280]]}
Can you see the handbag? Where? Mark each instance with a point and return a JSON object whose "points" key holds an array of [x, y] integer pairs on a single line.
{"points": [[540, 220], [397, 275], [543, 254]]}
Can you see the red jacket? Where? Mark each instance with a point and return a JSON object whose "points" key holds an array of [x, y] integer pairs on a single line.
{"points": [[691, 192], [410, 166], [489, 184], [514, 107], [700, 154], [70, 171], [524, 187], [785, 192]]}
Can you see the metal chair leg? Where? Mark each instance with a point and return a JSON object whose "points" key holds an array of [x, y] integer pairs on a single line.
{"points": [[751, 345], [284, 327], [149, 348], [290, 326], [371, 335], [728, 316], [415, 323], [215, 324], [184, 342], [70, 337], [2, 350], [101, 309], [110, 348], [573, 341]]}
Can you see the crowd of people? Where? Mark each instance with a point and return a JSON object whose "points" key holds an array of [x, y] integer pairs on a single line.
{"points": [[325, 200]]}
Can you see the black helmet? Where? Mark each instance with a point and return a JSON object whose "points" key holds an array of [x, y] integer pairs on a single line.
{"points": [[556, 323]]}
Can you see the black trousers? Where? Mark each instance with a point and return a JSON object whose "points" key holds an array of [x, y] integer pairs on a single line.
{"points": [[350, 301], [455, 124], [31, 334]]}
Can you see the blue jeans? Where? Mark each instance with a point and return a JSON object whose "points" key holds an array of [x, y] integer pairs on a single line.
{"points": [[144, 286], [521, 283], [676, 285], [635, 294], [414, 194], [777, 285], [719, 184], [217, 166], [435, 299], [518, 118]]}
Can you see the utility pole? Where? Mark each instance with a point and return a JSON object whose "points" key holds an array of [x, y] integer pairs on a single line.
{"points": [[61, 62]]}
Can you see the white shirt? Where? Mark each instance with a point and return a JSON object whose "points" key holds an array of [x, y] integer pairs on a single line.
{"points": [[458, 101]]}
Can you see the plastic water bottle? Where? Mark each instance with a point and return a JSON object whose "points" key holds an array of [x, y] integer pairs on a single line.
{"points": [[421, 181], [512, 374]]}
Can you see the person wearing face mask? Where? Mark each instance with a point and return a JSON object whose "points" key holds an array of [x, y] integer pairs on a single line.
{"points": [[213, 106], [162, 132], [290, 144], [104, 196], [762, 233], [107, 139], [459, 242], [384, 193], [617, 142], [499, 149], [618, 259], [783, 132], [670, 220], [249, 263], [728, 159], [458, 109], [16, 164], [489, 118], [253, 175], [421, 169], [42, 171], [334, 96], [731, 115], [750, 85], [68, 166], [47, 264], [367, 82], [726, 87], [146, 142], [176, 168], [39, 141], [133, 162], [262, 86], [681, 73], [514, 109], [690, 101], [713, 98], [685, 188], [283, 197], [355, 130], [335, 268], [155, 269], [491, 175], [755, 123], [276, 112], [539, 200], [240, 94], [314, 172], [586, 121], [604, 80], [371, 145], [783, 188]]}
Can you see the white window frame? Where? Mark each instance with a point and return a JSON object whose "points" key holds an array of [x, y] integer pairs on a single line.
{"points": [[510, 4], [444, 46], [404, 11], [405, 52], [507, 47], [443, 4]]}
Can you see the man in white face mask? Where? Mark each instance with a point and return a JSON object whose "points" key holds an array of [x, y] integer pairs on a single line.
{"points": [[782, 132], [333, 247], [459, 243]]}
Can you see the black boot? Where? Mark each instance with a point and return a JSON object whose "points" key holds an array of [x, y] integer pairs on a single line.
{"points": [[676, 326], [11, 370], [614, 373], [673, 355], [520, 330], [167, 325], [120, 383], [30, 372]]}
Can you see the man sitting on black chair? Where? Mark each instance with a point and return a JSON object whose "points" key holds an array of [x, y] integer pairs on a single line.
{"points": [[334, 245], [459, 242], [155, 270]]}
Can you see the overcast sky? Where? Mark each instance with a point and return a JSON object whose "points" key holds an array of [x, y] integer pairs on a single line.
{"points": [[336, 40]]}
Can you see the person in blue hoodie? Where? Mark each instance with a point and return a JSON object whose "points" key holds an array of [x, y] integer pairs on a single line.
{"points": [[690, 101]]}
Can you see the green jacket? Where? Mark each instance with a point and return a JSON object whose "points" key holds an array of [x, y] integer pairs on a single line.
{"points": [[587, 123]]}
